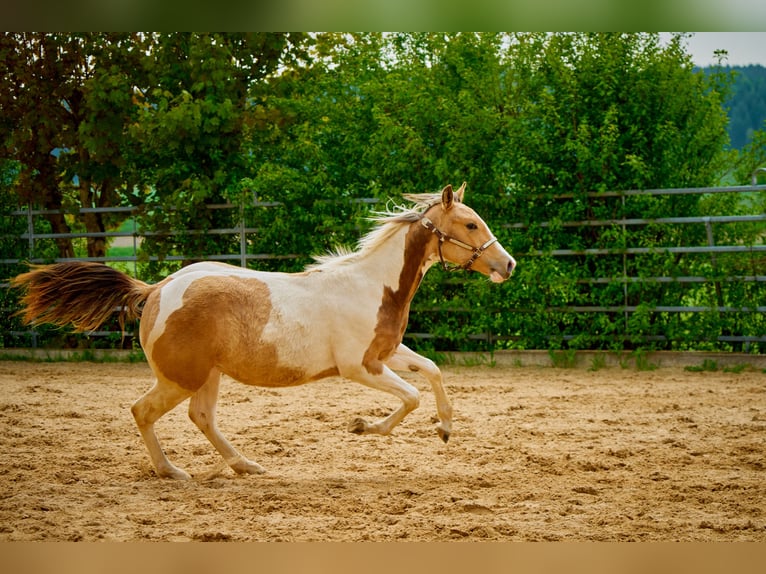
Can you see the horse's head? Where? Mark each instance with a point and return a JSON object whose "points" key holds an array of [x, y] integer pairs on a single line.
{"points": [[465, 239]]}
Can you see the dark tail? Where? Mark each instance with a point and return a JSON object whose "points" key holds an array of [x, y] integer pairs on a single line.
{"points": [[81, 294]]}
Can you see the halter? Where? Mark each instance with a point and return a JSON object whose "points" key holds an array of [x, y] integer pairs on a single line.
{"points": [[477, 251]]}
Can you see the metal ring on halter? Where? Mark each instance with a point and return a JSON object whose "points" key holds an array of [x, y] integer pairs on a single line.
{"points": [[477, 251]]}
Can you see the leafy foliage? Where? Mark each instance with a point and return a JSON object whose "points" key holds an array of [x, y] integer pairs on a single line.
{"points": [[302, 132]]}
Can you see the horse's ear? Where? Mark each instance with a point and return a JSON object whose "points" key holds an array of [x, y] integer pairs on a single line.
{"points": [[448, 197], [460, 192]]}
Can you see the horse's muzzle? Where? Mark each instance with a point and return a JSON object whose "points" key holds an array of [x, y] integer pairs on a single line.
{"points": [[499, 276]]}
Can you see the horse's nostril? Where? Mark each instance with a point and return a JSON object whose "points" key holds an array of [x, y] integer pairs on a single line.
{"points": [[511, 266]]}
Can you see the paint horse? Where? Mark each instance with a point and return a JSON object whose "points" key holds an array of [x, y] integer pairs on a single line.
{"points": [[343, 316]]}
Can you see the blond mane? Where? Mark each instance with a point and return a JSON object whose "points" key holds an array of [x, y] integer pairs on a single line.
{"points": [[387, 223]]}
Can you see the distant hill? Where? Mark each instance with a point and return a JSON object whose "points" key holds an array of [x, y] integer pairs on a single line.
{"points": [[747, 105]]}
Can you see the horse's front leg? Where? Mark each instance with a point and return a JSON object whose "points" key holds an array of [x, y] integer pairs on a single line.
{"points": [[383, 379], [405, 359]]}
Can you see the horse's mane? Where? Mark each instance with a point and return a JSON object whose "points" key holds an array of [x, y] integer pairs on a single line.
{"points": [[387, 223]]}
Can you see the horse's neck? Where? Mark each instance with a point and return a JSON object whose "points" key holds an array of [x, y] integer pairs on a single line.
{"points": [[399, 262]]}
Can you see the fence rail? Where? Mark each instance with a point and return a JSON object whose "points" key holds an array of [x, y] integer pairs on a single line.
{"points": [[243, 257]]}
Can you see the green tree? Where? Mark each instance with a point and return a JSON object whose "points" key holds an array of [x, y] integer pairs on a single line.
{"points": [[747, 104], [377, 116], [608, 112], [613, 111], [65, 100], [186, 145], [751, 163], [96, 120], [306, 151]]}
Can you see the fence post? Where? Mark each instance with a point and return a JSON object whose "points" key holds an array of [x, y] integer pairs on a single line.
{"points": [[626, 318], [711, 243], [30, 231], [242, 238], [135, 244]]}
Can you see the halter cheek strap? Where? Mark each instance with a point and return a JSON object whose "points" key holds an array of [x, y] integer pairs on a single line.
{"points": [[477, 251]]}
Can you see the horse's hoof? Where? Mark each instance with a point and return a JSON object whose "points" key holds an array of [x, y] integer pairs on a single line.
{"points": [[247, 467], [357, 426], [443, 434], [174, 473]]}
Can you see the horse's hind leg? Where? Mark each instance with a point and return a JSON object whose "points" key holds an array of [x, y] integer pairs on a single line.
{"points": [[202, 413], [405, 359], [160, 399]]}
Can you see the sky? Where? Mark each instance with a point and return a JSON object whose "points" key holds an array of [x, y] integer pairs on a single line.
{"points": [[744, 48]]}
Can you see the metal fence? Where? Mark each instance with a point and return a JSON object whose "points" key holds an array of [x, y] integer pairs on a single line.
{"points": [[31, 236], [242, 231], [711, 248]]}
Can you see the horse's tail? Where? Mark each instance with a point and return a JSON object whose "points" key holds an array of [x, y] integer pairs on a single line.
{"points": [[81, 294]]}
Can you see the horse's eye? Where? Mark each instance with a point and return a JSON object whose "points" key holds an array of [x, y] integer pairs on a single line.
{"points": [[471, 226]]}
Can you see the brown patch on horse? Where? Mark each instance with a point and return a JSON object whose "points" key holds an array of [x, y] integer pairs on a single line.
{"points": [[394, 309], [220, 326], [331, 372]]}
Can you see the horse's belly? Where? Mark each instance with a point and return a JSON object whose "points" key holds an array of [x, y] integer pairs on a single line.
{"points": [[264, 369], [284, 354]]}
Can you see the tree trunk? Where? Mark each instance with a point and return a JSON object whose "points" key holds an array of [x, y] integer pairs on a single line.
{"points": [[59, 225], [94, 222], [48, 184]]}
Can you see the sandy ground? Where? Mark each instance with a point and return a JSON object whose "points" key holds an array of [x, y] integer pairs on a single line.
{"points": [[536, 454]]}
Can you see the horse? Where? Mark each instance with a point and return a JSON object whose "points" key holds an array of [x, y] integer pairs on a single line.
{"points": [[345, 315]]}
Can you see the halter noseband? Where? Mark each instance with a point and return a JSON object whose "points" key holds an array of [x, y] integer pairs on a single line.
{"points": [[477, 251]]}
